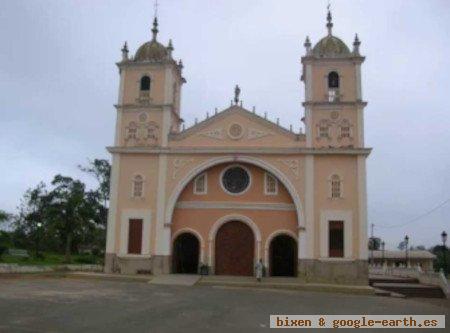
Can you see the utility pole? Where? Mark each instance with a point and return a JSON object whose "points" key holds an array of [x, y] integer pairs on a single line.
{"points": [[372, 242]]}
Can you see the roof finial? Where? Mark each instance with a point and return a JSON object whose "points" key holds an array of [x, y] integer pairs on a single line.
{"points": [[356, 44], [156, 8], [125, 51], [237, 92], [170, 48], [329, 19], [307, 45], [155, 21]]}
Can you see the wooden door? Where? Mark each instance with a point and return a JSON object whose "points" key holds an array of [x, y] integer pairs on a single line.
{"points": [[235, 249], [336, 239], [135, 236]]}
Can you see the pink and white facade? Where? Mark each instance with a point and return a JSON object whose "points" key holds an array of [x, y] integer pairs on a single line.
{"points": [[237, 188]]}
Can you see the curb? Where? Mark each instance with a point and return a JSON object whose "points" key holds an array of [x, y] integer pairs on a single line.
{"points": [[358, 290], [110, 277]]}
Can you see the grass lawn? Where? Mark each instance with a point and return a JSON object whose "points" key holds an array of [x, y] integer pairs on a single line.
{"points": [[51, 259]]}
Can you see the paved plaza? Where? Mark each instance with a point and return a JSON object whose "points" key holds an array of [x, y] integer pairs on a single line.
{"points": [[49, 304]]}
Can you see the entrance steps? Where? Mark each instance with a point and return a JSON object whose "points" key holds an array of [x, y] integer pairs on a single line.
{"points": [[403, 286], [175, 279], [289, 283]]}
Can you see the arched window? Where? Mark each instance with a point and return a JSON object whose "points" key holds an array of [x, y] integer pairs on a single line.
{"points": [[145, 83], [336, 186], [131, 132], [323, 129], [200, 184], [138, 186], [345, 129], [333, 80], [270, 184]]}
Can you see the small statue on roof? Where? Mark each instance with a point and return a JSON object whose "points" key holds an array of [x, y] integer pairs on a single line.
{"points": [[237, 92]]}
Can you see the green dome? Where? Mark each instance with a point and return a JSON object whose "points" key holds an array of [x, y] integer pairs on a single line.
{"points": [[331, 46], [151, 51]]}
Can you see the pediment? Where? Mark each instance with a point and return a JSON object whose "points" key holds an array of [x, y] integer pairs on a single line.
{"points": [[236, 126]]}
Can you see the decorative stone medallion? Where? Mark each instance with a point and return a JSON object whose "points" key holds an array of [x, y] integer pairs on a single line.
{"points": [[143, 117], [235, 131], [334, 115]]}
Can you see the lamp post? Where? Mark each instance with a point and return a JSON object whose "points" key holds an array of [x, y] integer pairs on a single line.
{"points": [[444, 250], [38, 231], [406, 249], [382, 252]]}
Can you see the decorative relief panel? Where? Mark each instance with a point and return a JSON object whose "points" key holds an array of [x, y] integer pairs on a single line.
{"points": [[144, 98], [293, 165], [236, 132], [334, 127], [178, 164], [254, 133], [141, 132], [214, 134]]}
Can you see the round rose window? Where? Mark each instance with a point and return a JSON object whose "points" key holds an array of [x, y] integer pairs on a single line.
{"points": [[235, 180]]}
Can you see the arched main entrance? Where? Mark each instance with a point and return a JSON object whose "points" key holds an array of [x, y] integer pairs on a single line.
{"points": [[283, 256], [234, 249], [186, 249]]}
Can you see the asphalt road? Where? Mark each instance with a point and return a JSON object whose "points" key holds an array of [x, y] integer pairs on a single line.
{"points": [[37, 304]]}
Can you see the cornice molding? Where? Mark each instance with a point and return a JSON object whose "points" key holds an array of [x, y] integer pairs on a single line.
{"points": [[279, 206], [239, 150], [229, 111], [334, 104], [126, 107], [130, 63], [313, 59], [150, 107]]}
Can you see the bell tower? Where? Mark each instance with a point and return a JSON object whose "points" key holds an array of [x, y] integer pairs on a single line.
{"points": [[148, 108], [333, 97]]}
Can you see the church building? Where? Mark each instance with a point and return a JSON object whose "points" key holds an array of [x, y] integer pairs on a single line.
{"points": [[237, 188]]}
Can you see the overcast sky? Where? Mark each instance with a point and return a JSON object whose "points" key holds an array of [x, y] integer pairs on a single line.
{"points": [[58, 84]]}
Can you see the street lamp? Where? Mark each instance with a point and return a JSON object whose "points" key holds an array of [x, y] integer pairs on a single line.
{"points": [[39, 226], [444, 250], [406, 249], [382, 252]]}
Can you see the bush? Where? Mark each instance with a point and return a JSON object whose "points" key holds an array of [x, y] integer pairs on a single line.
{"points": [[2, 250], [86, 259], [96, 251]]}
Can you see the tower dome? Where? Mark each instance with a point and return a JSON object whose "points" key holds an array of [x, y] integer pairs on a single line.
{"points": [[330, 46], [152, 50]]}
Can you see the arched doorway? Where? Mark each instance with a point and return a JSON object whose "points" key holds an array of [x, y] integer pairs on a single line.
{"points": [[283, 256], [186, 249], [234, 249]]}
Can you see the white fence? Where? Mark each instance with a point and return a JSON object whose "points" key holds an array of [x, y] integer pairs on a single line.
{"points": [[428, 277], [15, 268]]}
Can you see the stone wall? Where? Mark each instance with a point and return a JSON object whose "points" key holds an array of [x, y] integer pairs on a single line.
{"points": [[137, 264], [334, 271], [15, 268]]}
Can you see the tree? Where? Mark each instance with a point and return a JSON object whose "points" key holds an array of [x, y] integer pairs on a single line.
{"points": [[4, 216], [101, 170], [442, 260], [374, 243], [68, 211], [5, 240], [99, 200], [32, 210], [402, 246]]}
